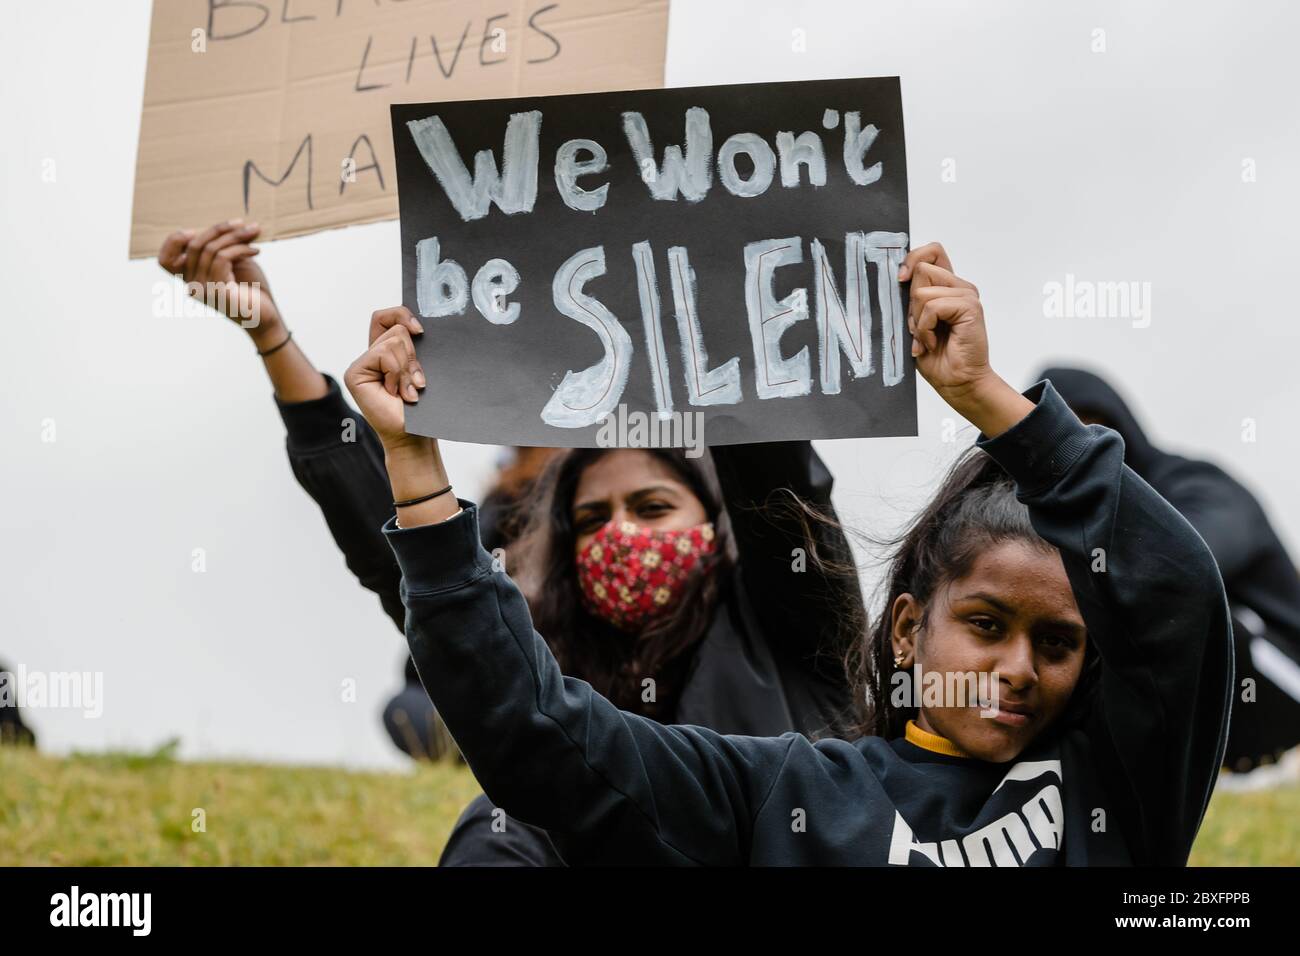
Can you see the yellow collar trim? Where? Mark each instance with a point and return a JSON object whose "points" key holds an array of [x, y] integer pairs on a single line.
{"points": [[931, 742]]}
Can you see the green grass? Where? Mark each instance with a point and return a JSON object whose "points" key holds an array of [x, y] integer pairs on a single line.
{"points": [[1251, 829], [137, 810], [128, 810]]}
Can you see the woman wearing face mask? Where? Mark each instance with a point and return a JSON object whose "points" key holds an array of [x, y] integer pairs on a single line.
{"points": [[1093, 611]]}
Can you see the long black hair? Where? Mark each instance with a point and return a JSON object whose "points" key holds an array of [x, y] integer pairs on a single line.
{"points": [[974, 508], [615, 663]]}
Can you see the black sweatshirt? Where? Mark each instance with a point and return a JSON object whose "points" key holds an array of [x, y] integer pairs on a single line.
{"points": [[1261, 580], [1126, 781], [338, 460], [768, 662]]}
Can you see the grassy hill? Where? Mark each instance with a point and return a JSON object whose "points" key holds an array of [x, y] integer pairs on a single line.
{"points": [[139, 811]]}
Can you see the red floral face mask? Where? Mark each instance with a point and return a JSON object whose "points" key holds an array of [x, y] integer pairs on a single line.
{"points": [[631, 575]]}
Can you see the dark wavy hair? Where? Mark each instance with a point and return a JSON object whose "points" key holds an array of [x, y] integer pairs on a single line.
{"points": [[614, 662], [975, 508]]}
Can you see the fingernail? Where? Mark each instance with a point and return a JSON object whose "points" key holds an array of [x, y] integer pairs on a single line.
{"points": [[902, 273], [420, 380], [234, 222], [418, 327], [916, 348]]}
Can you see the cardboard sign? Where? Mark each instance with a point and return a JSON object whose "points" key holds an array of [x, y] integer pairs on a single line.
{"points": [[590, 266], [277, 110]]}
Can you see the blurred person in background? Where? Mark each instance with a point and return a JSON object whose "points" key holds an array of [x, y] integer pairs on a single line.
{"points": [[12, 729], [1261, 579]]}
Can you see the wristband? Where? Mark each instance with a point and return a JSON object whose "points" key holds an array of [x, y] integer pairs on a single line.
{"points": [[415, 501], [275, 348]]}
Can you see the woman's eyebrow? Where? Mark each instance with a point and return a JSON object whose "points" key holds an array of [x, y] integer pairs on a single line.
{"points": [[1062, 623], [642, 492], [987, 599]]}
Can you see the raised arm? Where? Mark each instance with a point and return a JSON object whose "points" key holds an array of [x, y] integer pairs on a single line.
{"points": [[1151, 597], [333, 452], [339, 462], [608, 786], [1146, 584]]}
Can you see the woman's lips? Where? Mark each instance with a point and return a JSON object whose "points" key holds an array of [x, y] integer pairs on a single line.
{"points": [[1013, 715]]}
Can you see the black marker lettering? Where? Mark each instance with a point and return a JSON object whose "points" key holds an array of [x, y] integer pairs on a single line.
{"points": [[215, 5], [374, 162], [284, 14], [451, 69], [537, 13], [487, 35], [250, 168], [362, 69]]}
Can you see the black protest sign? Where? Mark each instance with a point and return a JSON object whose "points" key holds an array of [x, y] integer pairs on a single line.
{"points": [[726, 255]]}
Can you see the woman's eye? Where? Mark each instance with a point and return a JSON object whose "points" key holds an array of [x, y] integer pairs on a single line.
{"points": [[1056, 642], [653, 509], [986, 624], [590, 524]]}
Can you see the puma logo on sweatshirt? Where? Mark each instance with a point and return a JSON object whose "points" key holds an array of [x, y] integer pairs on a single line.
{"points": [[1035, 825]]}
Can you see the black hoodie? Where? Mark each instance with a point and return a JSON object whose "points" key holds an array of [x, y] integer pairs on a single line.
{"points": [[1259, 576], [12, 728], [1127, 782]]}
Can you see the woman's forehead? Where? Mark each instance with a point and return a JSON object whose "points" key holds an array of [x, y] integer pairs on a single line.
{"points": [[1029, 579], [624, 472]]}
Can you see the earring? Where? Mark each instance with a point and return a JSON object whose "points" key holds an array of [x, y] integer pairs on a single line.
{"points": [[898, 660]]}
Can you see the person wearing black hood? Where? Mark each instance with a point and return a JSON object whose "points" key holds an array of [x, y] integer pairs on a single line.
{"points": [[1262, 582], [12, 729]]}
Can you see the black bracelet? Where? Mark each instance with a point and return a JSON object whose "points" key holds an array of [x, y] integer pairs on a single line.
{"points": [[275, 348], [415, 501]]}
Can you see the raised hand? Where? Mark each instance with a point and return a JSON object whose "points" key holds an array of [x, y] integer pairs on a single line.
{"points": [[382, 381], [946, 319], [388, 375], [950, 343], [219, 268]]}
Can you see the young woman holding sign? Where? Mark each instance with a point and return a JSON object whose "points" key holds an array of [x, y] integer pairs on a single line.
{"points": [[1043, 563], [735, 619]]}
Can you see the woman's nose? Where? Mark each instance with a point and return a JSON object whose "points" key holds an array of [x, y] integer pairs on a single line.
{"points": [[1016, 665]]}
